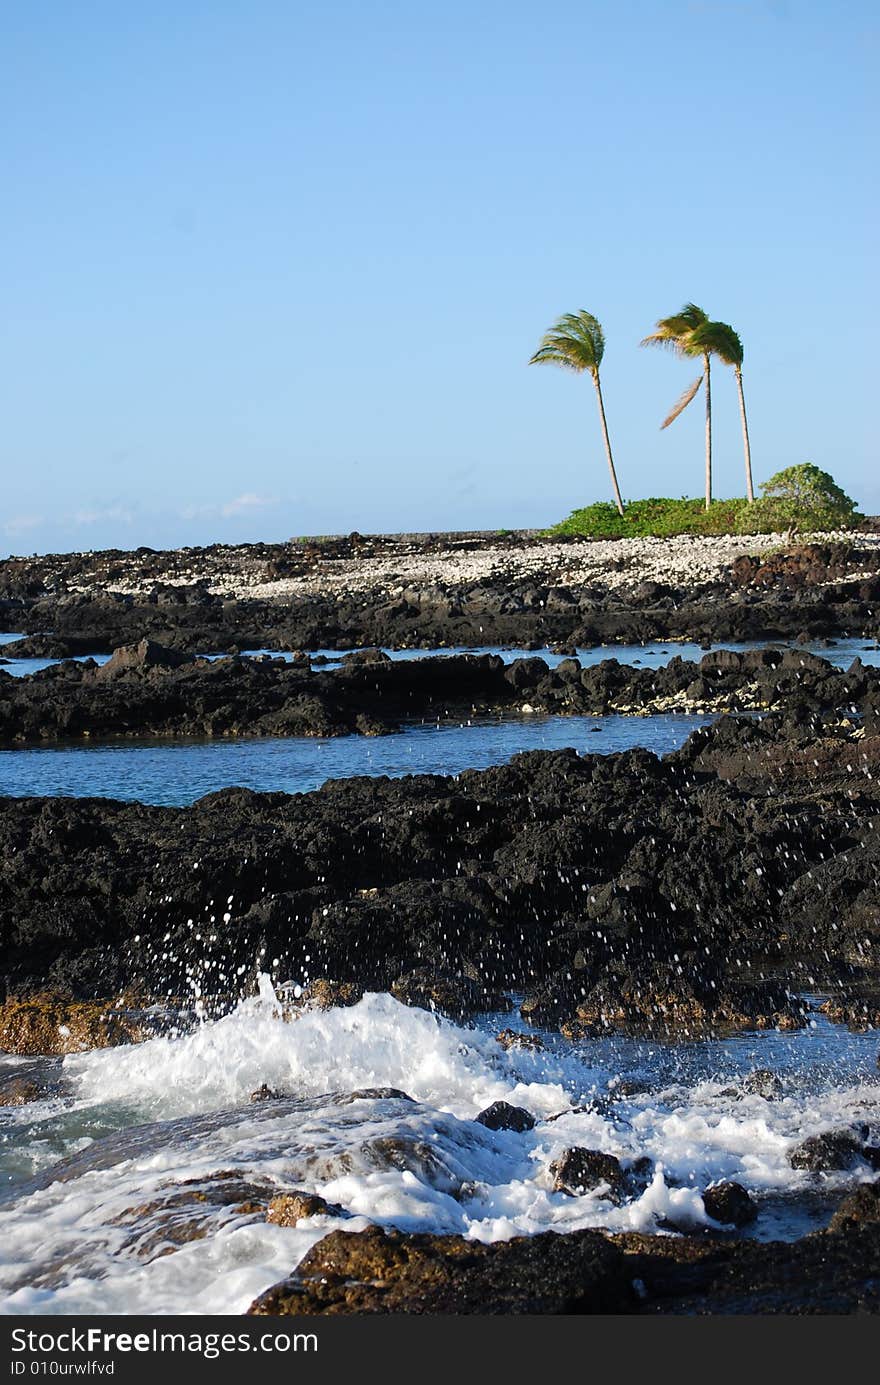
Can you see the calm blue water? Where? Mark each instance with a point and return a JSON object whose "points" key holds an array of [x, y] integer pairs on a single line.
{"points": [[180, 772], [656, 655], [841, 652], [19, 667]]}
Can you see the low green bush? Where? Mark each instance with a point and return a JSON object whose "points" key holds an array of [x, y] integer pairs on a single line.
{"points": [[800, 496], [806, 497]]}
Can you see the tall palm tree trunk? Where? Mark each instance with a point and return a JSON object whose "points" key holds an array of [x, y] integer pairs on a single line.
{"points": [[750, 489], [708, 433], [617, 500]]}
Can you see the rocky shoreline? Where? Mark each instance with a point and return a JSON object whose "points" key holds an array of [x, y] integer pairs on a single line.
{"points": [[434, 591], [731, 886], [149, 690], [696, 894]]}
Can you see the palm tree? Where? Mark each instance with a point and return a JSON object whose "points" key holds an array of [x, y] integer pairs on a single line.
{"points": [[726, 345], [681, 333], [577, 342]]}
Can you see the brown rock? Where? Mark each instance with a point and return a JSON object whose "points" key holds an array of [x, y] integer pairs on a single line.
{"points": [[183, 1212], [455, 996], [290, 1208], [824, 1272], [325, 994], [833, 1150], [48, 1023], [20, 1092], [860, 1208], [377, 1272]]}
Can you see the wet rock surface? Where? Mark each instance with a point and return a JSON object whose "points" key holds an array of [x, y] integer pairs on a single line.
{"points": [[761, 1082], [834, 1271], [730, 1204], [21, 1091], [377, 1272], [183, 1213], [832, 1151], [691, 896], [289, 1209], [502, 1116], [858, 1209], [582, 1170], [52, 1023]]}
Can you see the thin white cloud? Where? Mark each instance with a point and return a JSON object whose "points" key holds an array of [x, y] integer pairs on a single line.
{"points": [[112, 512], [19, 524], [249, 501], [198, 511]]}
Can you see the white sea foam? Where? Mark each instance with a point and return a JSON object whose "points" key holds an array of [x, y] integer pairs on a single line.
{"points": [[94, 1240], [376, 1043]]}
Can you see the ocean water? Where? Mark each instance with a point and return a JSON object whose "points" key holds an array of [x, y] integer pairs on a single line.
{"points": [[178, 772], [650, 655], [94, 1210]]}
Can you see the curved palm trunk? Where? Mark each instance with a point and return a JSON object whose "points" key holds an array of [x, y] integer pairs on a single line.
{"points": [[708, 433], [617, 500], [750, 489]]}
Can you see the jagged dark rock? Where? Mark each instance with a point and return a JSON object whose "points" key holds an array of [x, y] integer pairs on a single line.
{"points": [[657, 899], [148, 689], [762, 1082], [209, 599], [857, 1209], [502, 1116]]}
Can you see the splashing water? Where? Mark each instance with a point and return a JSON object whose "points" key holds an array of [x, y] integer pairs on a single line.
{"points": [[141, 1186]]}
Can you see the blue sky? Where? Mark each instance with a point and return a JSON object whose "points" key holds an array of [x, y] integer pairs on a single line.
{"points": [[277, 268]]}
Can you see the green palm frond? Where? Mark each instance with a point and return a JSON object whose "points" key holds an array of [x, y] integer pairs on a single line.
{"points": [[676, 333], [682, 403], [667, 340], [575, 342], [719, 339], [691, 316]]}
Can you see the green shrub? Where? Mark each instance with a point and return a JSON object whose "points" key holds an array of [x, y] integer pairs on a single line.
{"points": [[801, 495], [804, 496], [658, 516]]}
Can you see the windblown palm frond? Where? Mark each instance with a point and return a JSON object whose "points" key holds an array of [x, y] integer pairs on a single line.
{"points": [[575, 342], [691, 316], [675, 333], [719, 339], [683, 402]]}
